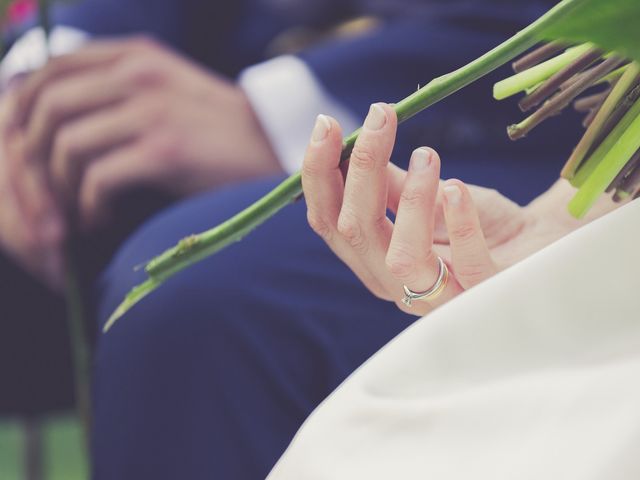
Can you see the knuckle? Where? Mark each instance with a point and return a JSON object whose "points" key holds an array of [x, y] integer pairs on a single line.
{"points": [[48, 106], [319, 225], [363, 158], [167, 146], [464, 232], [143, 73], [63, 144], [472, 274], [153, 111], [413, 197], [401, 263], [350, 229], [311, 169], [55, 66]]}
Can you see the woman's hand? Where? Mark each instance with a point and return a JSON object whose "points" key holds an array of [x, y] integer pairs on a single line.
{"points": [[475, 231]]}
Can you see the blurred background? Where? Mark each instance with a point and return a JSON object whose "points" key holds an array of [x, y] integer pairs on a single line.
{"points": [[42, 447], [37, 447]]}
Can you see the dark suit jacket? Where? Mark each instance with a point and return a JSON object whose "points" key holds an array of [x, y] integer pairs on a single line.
{"points": [[418, 40]]}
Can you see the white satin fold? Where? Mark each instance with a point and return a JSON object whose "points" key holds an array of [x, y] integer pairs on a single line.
{"points": [[534, 374]]}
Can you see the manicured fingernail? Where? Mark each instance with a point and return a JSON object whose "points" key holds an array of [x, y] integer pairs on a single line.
{"points": [[321, 129], [420, 160], [377, 117], [453, 194]]}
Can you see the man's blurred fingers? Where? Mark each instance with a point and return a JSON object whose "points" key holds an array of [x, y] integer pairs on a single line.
{"points": [[117, 171], [40, 214], [82, 140], [93, 55], [64, 100], [22, 240]]}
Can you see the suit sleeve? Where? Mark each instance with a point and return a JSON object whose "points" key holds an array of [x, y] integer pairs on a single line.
{"points": [[403, 54]]}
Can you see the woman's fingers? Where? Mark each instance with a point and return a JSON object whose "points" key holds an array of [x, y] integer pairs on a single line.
{"points": [[363, 219], [397, 177], [351, 216], [321, 177], [471, 258], [410, 259], [323, 185]]}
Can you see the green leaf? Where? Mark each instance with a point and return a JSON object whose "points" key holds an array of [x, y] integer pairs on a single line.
{"points": [[611, 24]]}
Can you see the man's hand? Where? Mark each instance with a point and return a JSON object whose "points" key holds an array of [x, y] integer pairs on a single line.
{"points": [[37, 250], [114, 116]]}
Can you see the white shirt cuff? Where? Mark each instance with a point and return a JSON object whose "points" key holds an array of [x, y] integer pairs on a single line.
{"points": [[287, 98], [30, 51]]}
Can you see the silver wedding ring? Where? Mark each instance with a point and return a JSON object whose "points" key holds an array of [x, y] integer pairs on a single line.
{"points": [[434, 291]]}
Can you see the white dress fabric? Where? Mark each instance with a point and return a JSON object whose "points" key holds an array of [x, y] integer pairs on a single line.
{"points": [[534, 374]]}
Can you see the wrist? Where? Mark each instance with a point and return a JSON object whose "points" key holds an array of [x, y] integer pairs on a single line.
{"points": [[553, 204]]}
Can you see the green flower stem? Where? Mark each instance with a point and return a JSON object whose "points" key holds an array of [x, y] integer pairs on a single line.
{"points": [[198, 247], [81, 351], [607, 170], [44, 13], [524, 81], [590, 167], [617, 94], [613, 76]]}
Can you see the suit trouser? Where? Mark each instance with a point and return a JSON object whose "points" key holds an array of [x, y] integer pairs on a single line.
{"points": [[211, 376], [36, 375]]}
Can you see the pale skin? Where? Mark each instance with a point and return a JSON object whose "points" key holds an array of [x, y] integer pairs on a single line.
{"points": [[476, 231], [114, 116]]}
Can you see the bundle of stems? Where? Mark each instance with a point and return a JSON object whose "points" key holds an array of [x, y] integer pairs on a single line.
{"points": [[554, 76], [576, 20]]}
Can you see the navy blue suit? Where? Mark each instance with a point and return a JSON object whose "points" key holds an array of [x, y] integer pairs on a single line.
{"points": [[211, 376]]}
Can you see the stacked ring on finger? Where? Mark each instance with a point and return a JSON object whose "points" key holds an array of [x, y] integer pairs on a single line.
{"points": [[433, 292]]}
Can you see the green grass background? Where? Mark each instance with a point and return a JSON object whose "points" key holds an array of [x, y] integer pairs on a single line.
{"points": [[64, 456]]}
